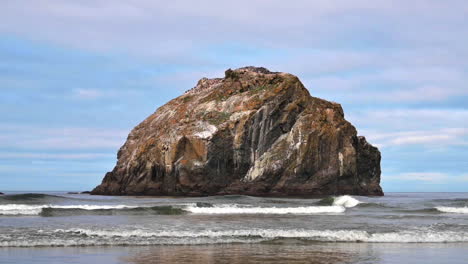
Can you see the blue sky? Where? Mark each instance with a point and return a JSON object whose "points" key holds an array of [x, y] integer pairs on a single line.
{"points": [[77, 76]]}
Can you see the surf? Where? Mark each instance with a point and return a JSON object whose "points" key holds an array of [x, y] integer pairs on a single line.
{"points": [[238, 209], [344, 200], [100, 237], [454, 210], [69, 210]]}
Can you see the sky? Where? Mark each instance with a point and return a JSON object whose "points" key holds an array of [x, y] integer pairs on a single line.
{"points": [[77, 75]]}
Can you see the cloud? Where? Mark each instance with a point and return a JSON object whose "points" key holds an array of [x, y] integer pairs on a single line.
{"points": [[48, 156], [405, 127], [396, 85], [398, 67], [365, 46], [428, 177], [150, 26], [68, 138], [447, 136], [398, 119], [87, 93], [442, 137]]}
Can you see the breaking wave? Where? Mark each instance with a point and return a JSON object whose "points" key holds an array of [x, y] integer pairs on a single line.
{"points": [[89, 237], [195, 208], [314, 235], [344, 200], [66, 210], [455, 210], [236, 209]]}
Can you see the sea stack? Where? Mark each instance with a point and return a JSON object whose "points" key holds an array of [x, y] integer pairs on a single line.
{"points": [[253, 132]]}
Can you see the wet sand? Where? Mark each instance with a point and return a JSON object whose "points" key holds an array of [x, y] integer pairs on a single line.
{"points": [[283, 252]]}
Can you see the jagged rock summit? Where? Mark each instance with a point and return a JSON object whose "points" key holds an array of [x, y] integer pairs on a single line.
{"points": [[253, 132]]}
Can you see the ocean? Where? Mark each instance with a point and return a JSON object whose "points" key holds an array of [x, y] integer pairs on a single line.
{"points": [[56, 227]]}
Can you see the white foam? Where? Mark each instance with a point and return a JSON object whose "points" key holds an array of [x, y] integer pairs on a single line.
{"points": [[318, 235], [346, 201], [20, 209], [456, 210], [68, 242], [24, 209], [90, 237], [236, 209], [264, 233], [418, 237]]}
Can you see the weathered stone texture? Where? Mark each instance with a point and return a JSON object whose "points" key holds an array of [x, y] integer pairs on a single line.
{"points": [[253, 132]]}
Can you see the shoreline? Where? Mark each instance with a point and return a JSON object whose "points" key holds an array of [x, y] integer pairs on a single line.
{"points": [[285, 252]]}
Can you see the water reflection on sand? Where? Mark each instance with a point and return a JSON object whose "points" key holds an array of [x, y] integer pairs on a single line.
{"points": [[319, 253]]}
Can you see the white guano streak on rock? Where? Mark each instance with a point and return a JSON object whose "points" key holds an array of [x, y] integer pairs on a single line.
{"points": [[254, 171], [266, 162], [340, 158], [208, 131], [238, 115], [294, 139]]}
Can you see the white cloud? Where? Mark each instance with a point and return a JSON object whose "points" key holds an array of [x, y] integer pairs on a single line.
{"points": [[46, 155], [388, 84], [319, 40], [366, 51], [87, 93], [428, 177], [147, 25], [404, 119], [67, 138], [441, 137], [404, 127], [423, 138]]}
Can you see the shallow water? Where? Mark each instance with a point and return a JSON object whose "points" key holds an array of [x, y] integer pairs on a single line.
{"points": [[397, 228]]}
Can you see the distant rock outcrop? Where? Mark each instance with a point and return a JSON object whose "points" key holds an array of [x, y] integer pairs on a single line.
{"points": [[253, 132]]}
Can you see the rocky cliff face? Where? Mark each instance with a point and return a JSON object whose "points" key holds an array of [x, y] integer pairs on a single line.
{"points": [[253, 132]]}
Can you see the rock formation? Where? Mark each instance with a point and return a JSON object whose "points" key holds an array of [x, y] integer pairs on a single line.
{"points": [[253, 132]]}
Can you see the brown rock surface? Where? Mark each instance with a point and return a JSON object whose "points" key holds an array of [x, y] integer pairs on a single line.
{"points": [[253, 132]]}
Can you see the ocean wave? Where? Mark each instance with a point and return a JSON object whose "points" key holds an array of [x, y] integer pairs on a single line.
{"points": [[84, 242], [314, 235], [88, 237], [25, 209], [319, 235], [375, 205], [237, 209], [28, 197], [195, 208], [452, 200], [66, 210], [344, 200], [419, 211], [153, 210], [455, 210]]}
